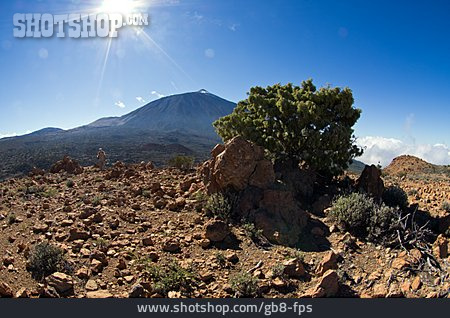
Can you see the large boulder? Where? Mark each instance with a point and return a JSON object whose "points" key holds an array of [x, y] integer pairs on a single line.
{"points": [[240, 166], [370, 182], [68, 165], [280, 217], [299, 180], [236, 165]]}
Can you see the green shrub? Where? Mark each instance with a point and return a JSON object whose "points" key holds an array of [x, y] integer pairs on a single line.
{"points": [[278, 270], [297, 254], [220, 206], [360, 215], [251, 230], [395, 196], [300, 123], [170, 277], [353, 211], [70, 183], [45, 259], [50, 193], [221, 260], [11, 218], [382, 222], [182, 162], [102, 244], [446, 206], [146, 194], [199, 195], [244, 284], [96, 201]]}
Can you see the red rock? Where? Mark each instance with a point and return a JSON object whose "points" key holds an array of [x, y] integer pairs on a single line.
{"points": [[329, 261], [77, 234], [294, 268], [99, 294], [62, 283], [416, 283], [440, 247], [147, 241], [216, 230], [68, 165], [5, 290], [328, 286], [380, 291], [234, 167], [399, 263], [171, 246], [370, 181]]}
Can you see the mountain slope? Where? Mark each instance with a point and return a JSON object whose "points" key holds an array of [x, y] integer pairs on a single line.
{"points": [[180, 124], [190, 113], [411, 165]]}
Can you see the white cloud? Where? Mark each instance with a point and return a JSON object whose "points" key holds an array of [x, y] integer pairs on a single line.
{"points": [[140, 99], [43, 53], [382, 150], [210, 53], [159, 95], [233, 27], [197, 16], [120, 104], [8, 135]]}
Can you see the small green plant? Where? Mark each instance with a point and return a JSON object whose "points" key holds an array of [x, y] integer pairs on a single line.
{"points": [[182, 162], [171, 277], [251, 230], [278, 270], [221, 260], [199, 195], [244, 284], [11, 218], [402, 174], [102, 244], [446, 206], [219, 205], [96, 201], [394, 196], [45, 259], [297, 254], [70, 183], [32, 190], [50, 193], [146, 194], [413, 192]]}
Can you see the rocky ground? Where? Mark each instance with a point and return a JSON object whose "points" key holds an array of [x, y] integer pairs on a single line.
{"points": [[123, 227]]}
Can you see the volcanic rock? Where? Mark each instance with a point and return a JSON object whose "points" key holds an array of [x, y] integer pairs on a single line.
{"points": [[370, 182], [68, 165]]}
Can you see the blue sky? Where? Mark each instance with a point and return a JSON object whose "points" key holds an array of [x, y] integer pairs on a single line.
{"points": [[394, 55]]}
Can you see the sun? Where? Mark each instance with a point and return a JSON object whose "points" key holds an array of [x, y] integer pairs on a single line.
{"points": [[118, 6]]}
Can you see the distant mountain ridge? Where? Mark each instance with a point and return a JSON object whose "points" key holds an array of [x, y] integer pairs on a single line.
{"points": [[157, 131]]}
